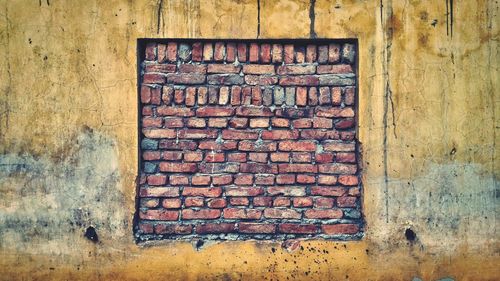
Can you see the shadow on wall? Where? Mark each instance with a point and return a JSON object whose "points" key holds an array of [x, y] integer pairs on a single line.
{"points": [[61, 202]]}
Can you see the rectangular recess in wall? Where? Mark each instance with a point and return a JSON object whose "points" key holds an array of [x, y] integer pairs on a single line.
{"points": [[252, 139]]}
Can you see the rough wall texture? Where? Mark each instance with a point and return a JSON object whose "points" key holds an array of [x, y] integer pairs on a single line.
{"points": [[428, 97], [248, 140]]}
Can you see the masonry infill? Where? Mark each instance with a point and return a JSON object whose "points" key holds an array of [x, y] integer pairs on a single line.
{"points": [[250, 139]]}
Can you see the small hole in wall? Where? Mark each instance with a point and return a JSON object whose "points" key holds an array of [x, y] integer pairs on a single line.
{"points": [[91, 234], [410, 235]]}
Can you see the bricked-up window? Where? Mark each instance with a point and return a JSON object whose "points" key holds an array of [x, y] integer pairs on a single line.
{"points": [[248, 140]]}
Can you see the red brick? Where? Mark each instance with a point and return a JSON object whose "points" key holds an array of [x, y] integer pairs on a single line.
{"points": [[237, 157], [243, 191], [215, 228], [230, 52], [150, 202], [174, 123], [147, 111], [300, 54], [339, 146], [264, 179], [159, 133], [202, 191], [322, 123], [301, 96], [173, 203], [256, 96], [334, 112], [327, 180], [323, 54], [323, 214], [173, 229], [178, 145], [289, 53], [324, 202], [197, 134], [337, 229], [190, 96], [277, 53], [334, 69], [306, 179], [344, 123], [163, 215], [265, 53], [150, 155], [297, 146], [179, 96], [201, 214], [243, 179], [296, 69], [162, 68], [345, 157], [193, 156], [258, 157], [253, 55], [259, 123], [346, 201], [281, 202], [153, 78], [208, 52], [313, 96], [237, 213], [354, 191], [222, 179], [174, 111], [202, 95], [280, 122], [172, 51], [194, 202], [259, 168], [347, 136], [299, 80], [239, 135], [197, 52], [196, 123], [286, 190], [219, 51], [178, 180], [186, 78], [217, 122], [280, 157], [249, 111], [178, 167], [301, 202], [214, 111], [348, 180], [301, 157], [218, 146], [349, 96], [223, 68], [157, 179], [281, 214], [263, 228], [216, 168], [239, 201], [294, 112], [333, 53], [320, 134], [159, 192], [258, 69], [285, 179], [246, 96], [145, 94], [265, 146], [297, 168], [335, 168], [217, 203], [151, 51], [238, 123], [280, 135], [235, 95], [171, 155], [324, 96], [328, 190], [302, 123], [311, 53], [260, 80], [200, 180], [262, 201], [193, 68], [242, 52], [298, 228], [146, 228], [324, 157]]}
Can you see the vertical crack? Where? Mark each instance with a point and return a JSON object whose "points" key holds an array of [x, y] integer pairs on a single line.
{"points": [[258, 18], [158, 16], [312, 18]]}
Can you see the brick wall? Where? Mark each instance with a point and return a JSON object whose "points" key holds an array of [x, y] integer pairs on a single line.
{"points": [[248, 140]]}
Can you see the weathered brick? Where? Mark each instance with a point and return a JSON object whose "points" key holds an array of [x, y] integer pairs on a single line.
{"points": [[173, 229], [301, 96], [202, 95], [196, 123], [348, 180], [281, 214], [324, 96], [311, 53], [201, 214], [348, 53], [323, 214], [285, 179], [280, 157], [333, 53], [344, 123], [286, 190], [219, 51], [146, 227], [214, 228], [289, 53], [328, 190], [149, 202], [154, 78], [336, 79], [280, 135], [208, 51], [172, 51], [265, 146], [246, 95], [345, 157], [262, 201], [297, 228], [337, 229], [296, 69], [179, 96], [184, 52], [197, 134], [239, 135], [258, 168], [298, 168], [265, 53], [190, 96], [216, 168], [324, 202], [171, 203], [152, 122], [224, 79], [188, 78], [243, 179], [280, 122], [263, 228], [334, 112], [157, 179], [251, 111], [159, 192], [218, 146], [346, 201], [323, 54], [194, 202], [320, 134], [267, 97], [231, 52], [264, 179], [242, 52], [214, 111], [197, 53], [350, 95], [261, 80], [299, 80], [258, 69], [217, 122], [159, 133], [300, 54], [217, 203], [327, 180], [238, 213], [257, 157], [171, 155], [290, 96], [302, 123], [256, 96], [253, 55], [334, 69], [294, 112], [322, 123], [279, 95], [162, 68], [297, 146], [178, 180], [277, 53], [163, 215], [151, 51], [313, 96], [243, 191], [239, 201], [193, 68], [281, 202], [222, 179], [193, 156], [202, 191], [223, 68], [339, 146], [178, 167], [336, 168], [301, 202], [200, 180], [306, 179], [177, 145]]}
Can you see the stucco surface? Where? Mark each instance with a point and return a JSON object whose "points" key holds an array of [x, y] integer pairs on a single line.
{"points": [[428, 99]]}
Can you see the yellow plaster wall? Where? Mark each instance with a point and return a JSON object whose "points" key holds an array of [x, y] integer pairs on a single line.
{"points": [[428, 97]]}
